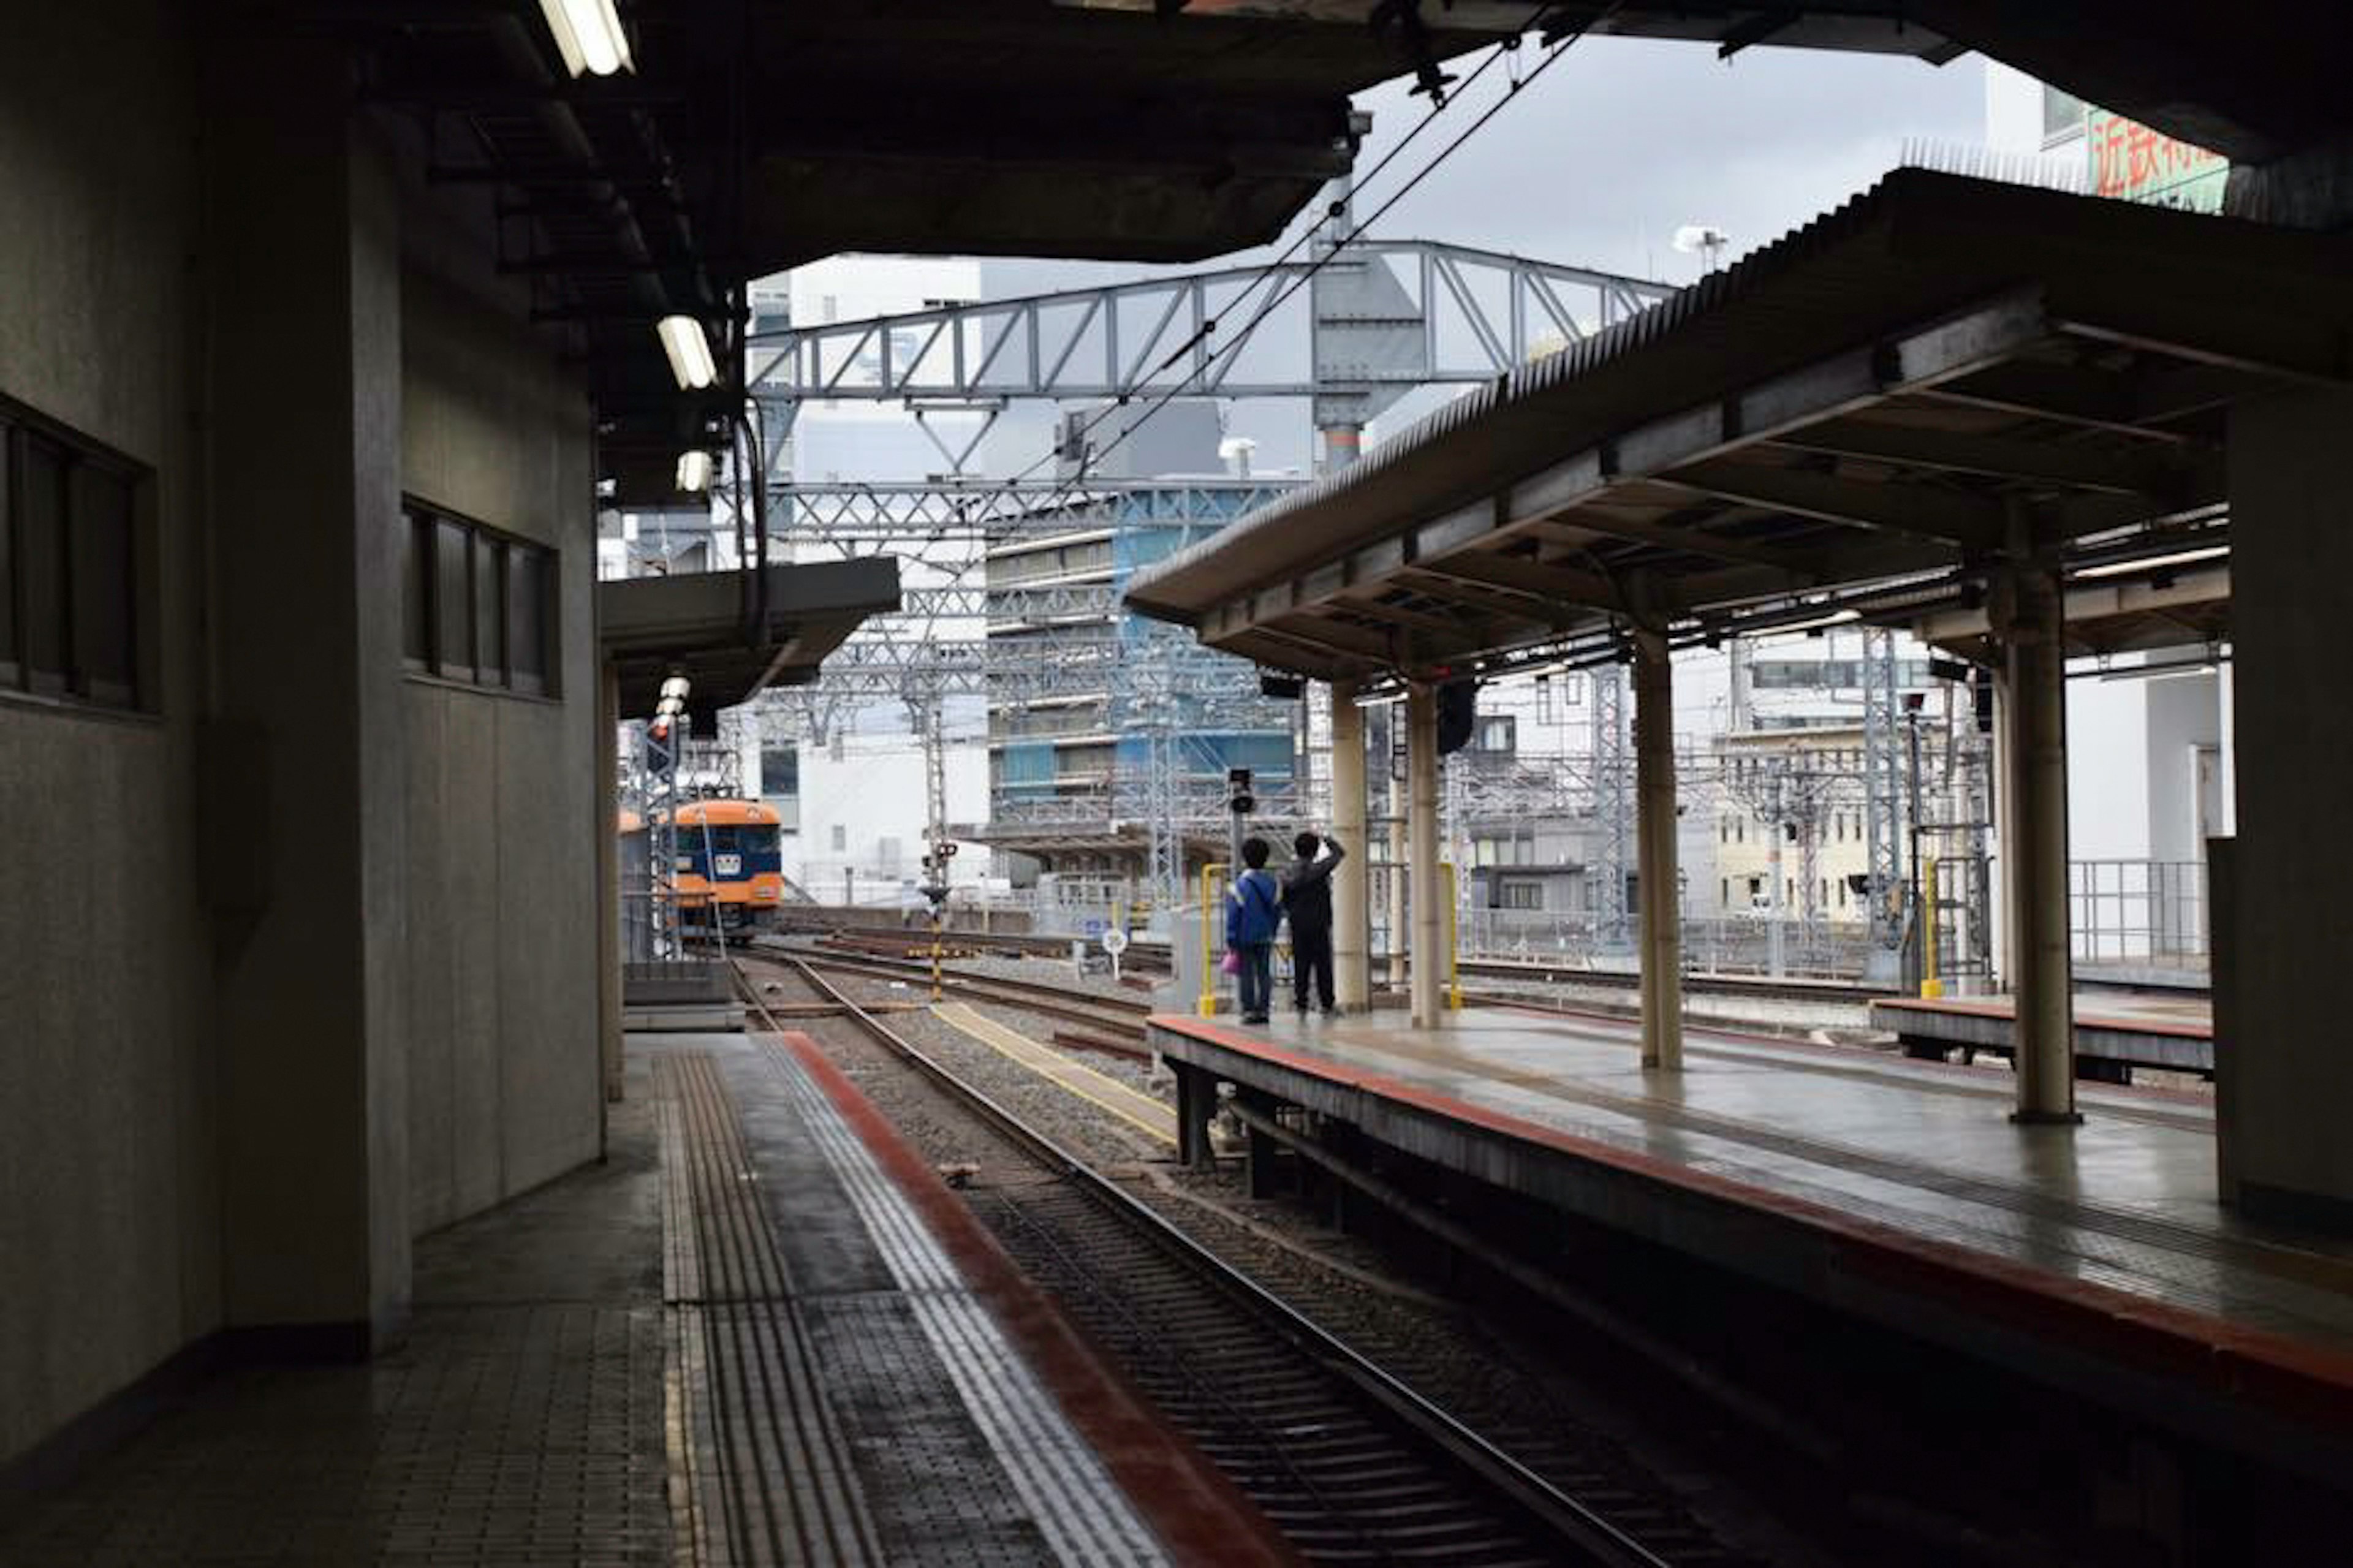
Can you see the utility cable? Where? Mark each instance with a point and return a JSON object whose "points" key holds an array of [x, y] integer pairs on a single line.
{"points": [[1234, 343], [1269, 273]]}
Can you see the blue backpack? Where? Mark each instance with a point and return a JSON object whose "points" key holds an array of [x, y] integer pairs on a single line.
{"points": [[1255, 911]]}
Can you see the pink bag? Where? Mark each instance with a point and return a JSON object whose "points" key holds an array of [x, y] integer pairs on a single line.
{"points": [[1233, 962]]}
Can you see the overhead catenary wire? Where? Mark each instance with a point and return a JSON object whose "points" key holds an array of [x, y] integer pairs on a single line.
{"points": [[1234, 341]]}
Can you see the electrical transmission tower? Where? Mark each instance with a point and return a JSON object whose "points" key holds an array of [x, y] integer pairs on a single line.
{"points": [[1789, 795], [1883, 798], [1614, 808]]}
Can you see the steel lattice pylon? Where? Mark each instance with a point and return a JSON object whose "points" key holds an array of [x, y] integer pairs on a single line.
{"points": [[1613, 805], [1883, 798]]}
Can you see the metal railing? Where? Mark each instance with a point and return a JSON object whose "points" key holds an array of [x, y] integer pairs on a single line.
{"points": [[1716, 945], [2138, 911]]}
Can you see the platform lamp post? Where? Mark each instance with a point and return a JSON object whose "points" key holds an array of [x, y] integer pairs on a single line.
{"points": [[669, 719]]}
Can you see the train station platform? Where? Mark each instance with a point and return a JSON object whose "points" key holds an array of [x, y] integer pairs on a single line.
{"points": [[2112, 1035], [2096, 1257], [763, 1330]]}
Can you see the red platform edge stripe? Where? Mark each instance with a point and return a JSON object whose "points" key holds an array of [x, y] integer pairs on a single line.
{"points": [[2112, 1023], [2286, 1375], [1199, 1515]]}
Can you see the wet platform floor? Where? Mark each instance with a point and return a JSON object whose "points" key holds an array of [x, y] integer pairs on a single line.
{"points": [[735, 1342], [1856, 1157]]}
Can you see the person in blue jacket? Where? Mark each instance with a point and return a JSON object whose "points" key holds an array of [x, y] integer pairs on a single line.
{"points": [[1254, 911]]}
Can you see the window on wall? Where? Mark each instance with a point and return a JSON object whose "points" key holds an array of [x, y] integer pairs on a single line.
{"points": [[478, 604], [1520, 894], [76, 595]]}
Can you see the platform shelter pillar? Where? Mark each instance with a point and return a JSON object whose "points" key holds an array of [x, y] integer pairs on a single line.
{"points": [[1426, 973], [1659, 878], [304, 402], [2034, 852], [1352, 931], [2284, 1097]]}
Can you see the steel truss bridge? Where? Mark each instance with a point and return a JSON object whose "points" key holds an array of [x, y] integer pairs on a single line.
{"points": [[1349, 330]]}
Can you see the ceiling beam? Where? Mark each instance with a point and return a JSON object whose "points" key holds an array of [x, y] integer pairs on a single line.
{"points": [[2058, 392], [2071, 467], [1397, 614], [1884, 508], [1526, 577], [1359, 642], [1589, 524], [1325, 657]]}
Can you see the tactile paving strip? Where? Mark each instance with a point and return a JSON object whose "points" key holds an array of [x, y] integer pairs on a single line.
{"points": [[1083, 1514], [768, 1477]]}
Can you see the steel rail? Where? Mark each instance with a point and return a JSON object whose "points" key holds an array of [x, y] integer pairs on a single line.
{"points": [[1536, 1499]]}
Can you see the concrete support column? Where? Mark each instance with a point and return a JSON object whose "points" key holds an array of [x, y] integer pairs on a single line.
{"points": [[304, 408], [1342, 443], [2035, 856], [2286, 1098], [1427, 972], [1352, 908], [1654, 839], [608, 886], [1197, 1102]]}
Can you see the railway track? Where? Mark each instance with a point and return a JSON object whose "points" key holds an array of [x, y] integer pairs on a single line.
{"points": [[1354, 1466], [1140, 955], [1117, 1020]]}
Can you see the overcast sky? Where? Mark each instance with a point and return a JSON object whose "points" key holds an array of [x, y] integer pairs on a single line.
{"points": [[1600, 159], [1596, 164], [1623, 140]]}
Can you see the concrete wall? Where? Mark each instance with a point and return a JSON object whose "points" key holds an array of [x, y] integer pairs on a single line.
{"points": [[2286, 1097], [108, 1194], [2184, 713], [501, 814], [2107, 776], [307, 961]]}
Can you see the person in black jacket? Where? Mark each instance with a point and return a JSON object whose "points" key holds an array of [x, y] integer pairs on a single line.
{"points": [[1307, 899]]}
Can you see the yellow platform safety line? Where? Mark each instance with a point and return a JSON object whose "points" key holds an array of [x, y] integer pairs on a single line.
{"points": [[1137, 1110]]}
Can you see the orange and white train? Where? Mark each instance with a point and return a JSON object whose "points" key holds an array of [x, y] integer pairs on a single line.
{"points": [[730, 862]]}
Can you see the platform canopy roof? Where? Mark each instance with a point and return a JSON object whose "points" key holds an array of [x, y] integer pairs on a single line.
{"points": [[749, 136], [732, 634], [1888, 399], [2254, 82]]}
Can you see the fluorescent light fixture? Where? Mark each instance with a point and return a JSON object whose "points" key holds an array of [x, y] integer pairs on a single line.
{"points": [[689, 350], [1835, 618], [588, 35], [2176, 670], [2148, 563], [694, 470], [1381, 700]]}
